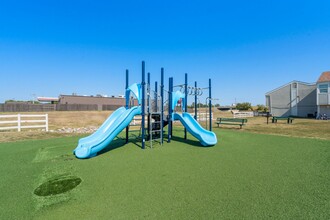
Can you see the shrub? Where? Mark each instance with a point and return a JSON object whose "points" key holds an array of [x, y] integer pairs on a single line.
{"points": [[244, 106]]}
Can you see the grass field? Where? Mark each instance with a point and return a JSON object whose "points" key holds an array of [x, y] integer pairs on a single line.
{"points": [[306, 128], [245, 176]]}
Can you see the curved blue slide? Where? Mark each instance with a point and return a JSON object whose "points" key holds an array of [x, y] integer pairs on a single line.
{"points": [[206, 137], [117, 121]]}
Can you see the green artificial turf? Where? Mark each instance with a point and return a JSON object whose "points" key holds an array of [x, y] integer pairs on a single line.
{"points": [[245, 176]]}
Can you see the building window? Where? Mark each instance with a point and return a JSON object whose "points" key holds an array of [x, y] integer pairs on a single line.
{"points": [[323, 88], [294, 85]]}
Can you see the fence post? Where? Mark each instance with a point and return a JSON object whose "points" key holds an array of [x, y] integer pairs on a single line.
{"points": [[46, 116], [18, 122]]}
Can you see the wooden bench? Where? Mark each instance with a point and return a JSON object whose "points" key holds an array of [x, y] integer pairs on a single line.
{"points": [[287, 119], [231, 121]]}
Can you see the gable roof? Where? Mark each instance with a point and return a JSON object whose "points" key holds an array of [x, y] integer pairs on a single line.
{"points": [[294, 81], [325, 77]]}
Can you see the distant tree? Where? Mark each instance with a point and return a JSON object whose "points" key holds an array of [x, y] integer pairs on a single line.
{"points": [[244, 106], [217, 105], [192, 105], [12, 100], [262, 108], [21, 101], [9, 101], [201, 105]]}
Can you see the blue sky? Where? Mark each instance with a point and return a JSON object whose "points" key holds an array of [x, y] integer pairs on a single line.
{"points": [[248, 48]]}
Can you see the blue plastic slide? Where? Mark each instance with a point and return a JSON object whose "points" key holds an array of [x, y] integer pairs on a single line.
{"points": [[206, 137], [106, 124], [118, 120]]}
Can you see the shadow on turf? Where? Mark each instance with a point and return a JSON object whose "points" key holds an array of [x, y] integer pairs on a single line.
{"points": [[114, 145], [121, 142], [188, 141], [193, 143]]}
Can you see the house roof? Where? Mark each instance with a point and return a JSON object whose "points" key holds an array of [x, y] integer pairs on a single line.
{"points": [[294, 81], [325, 77], [47, 99]]}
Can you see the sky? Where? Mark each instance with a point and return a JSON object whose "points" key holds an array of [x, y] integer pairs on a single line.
{"points": [[247, 48]]}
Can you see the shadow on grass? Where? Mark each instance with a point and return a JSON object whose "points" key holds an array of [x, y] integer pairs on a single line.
{"points": [[190, 142], [112, 146], [119, 142], [137, 142]]}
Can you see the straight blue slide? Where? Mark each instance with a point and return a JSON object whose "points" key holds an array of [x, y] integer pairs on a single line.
{"points": [[116, 122], [206, 138]]}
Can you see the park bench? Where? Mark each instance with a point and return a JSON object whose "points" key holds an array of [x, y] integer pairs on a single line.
{"points": [[231, 121], [287, 119]]}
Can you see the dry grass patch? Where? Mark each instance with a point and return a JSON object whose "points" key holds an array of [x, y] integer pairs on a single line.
{"points": [[307, 128], [57, 120], [11, 136], [77, 119]]}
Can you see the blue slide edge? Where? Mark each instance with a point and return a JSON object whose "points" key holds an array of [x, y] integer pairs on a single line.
{"points": [[206, 138], [89, 147], [106, 124]]}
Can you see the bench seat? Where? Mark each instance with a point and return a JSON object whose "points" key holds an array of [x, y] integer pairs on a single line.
{"points": [[231, 121], [288, 119]]}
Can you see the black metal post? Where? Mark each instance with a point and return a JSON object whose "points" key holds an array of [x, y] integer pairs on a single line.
{"points": [[148, 106], [185, 100], [162, 103], [143, 105], [127, 102], [156, 96], [170, 109], [210, 104], [195, 101]]}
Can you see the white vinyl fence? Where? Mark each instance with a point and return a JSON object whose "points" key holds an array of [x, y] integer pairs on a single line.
{"points": [[242, 114], [20, 121], [201, 116], [136, 120]]}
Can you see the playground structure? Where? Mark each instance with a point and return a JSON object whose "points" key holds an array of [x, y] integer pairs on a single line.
{"points": [[151, 107]]}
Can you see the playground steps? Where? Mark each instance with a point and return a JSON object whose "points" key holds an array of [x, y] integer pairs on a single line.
{"points": [[155, 124]]}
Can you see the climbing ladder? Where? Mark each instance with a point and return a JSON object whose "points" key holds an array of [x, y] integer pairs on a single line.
{"points": [[155, 118], [155, 134]]}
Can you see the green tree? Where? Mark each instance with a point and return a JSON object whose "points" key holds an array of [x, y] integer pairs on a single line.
{"points": [[244, 106], [262, 108]]}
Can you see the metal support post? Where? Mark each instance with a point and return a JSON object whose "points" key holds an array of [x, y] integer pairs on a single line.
{"points": [[210, 104], [170, 110], [195, 104], [162, 103], [148, 106], [185, 100], [143, 105], [127, 102], [156, 96]]}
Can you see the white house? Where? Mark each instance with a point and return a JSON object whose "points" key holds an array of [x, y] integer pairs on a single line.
{"points": [[323, 94], [293, 99]]}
